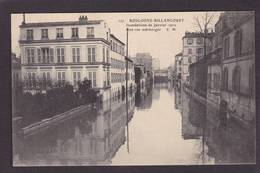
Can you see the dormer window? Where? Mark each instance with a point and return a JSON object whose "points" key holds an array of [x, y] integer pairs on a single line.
{"points": [[90, 32], [29, 34], [75, 33], [44, 33], [199, 40], [189, 41], [59, 33]]}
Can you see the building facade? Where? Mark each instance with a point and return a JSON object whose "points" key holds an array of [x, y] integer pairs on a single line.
{"points": [[144, 59], [178, 67], [238, 66], [60, 52], [214, 54], [193, 50], [156, 64]]}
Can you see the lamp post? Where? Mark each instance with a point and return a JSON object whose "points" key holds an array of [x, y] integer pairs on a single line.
{"points": [[127, 59]]}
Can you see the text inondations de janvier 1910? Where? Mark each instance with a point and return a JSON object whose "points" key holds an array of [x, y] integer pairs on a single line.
{"points": [[152, 24]]}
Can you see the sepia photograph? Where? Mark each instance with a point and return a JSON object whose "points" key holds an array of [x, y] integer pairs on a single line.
{"points": [[133, 88]]}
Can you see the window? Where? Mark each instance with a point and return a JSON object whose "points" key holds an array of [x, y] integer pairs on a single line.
{"points": [[225, 79], [76, 78], [44, 33], [104, 56], [90, 32], [209, 80], [75, 33], [189, 59], [51, 55], [59, 33], [30, 52], [29, 34], [199, 51], [216, 79], [39, 55], [46, 79], [236, 79], [93, 78], [226, 47], [76, 54], [199, 40], [31, 80], [252, 81], [60, 55], [189, 41], [107, 55], [61, 77], [47, 55], [108, 78], [238, 42], [91, 54], [189, 51]]}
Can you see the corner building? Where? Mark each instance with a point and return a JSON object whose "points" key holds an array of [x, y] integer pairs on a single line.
{"points": [[59, 52]]}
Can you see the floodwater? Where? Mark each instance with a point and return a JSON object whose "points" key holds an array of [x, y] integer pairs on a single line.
{"points": [[162, 127]]}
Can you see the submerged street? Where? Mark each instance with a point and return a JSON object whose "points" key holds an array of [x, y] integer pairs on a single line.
{"points": [[156, 134], [164, 126]]}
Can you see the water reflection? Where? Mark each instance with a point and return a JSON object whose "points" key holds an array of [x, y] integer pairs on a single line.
{"points": [[164, 126], [87, 139], [220, 145]]}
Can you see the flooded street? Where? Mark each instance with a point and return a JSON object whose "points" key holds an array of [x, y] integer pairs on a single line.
{"points": [[156, 134], [163, 126]]}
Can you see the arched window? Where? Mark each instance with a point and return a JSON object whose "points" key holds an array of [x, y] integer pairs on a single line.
{"points": [[238, 42], [236, 79], [252, 81], [225, 79]]}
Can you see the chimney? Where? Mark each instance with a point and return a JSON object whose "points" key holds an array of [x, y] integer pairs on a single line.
{"points": [[83, 18], [23, 23]]}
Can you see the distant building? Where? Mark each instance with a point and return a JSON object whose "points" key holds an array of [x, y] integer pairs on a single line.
{"points": [[178, 67], [144, 59], [193, 50], [161, 75], [16, 69], [171, 70], [156, 64], [140, 77]]}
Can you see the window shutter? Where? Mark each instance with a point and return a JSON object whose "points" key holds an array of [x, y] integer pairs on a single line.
{"points": [[51, 55], [39, 55]]}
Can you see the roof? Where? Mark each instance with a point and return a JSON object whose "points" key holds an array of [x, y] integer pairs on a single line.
{"points": [[179, 54], [66, 23], [113, 36], [193, 35]]}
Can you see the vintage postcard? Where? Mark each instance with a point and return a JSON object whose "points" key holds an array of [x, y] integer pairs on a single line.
{"points": [[133, 88]]}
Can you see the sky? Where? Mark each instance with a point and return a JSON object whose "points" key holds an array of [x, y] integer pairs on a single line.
{"points": [[161, 44]]}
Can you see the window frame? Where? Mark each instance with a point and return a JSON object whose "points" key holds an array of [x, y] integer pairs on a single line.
{"points": [[75, 32], [59, 35], [44, 35], [29, 36]]}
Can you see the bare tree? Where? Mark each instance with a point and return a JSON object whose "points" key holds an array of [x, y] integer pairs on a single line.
{"points": [[204, 21]]}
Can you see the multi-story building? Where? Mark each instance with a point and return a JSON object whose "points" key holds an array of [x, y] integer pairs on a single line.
{"points": [[238, 66], [155, 64], [178, 67], [193, 50], [171, 70], [161, 75], [118, 68], [144, 59], [71, 51], [16, 70]]}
